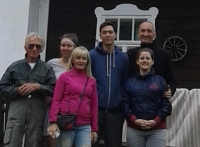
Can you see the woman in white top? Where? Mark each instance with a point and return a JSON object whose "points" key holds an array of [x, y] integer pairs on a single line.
{"points": [[67, 45]]}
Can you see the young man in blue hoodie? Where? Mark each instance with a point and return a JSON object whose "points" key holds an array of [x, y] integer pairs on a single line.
{"points": [[109, 67]]}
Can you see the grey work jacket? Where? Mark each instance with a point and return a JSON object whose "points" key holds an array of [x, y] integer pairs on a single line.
{"points": [[20, 72]]}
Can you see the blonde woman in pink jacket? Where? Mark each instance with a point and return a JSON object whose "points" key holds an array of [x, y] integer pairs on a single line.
{"points": [[66, 99]]}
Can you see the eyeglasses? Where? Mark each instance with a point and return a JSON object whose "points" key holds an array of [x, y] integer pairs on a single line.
{"points": [[38, 47]]}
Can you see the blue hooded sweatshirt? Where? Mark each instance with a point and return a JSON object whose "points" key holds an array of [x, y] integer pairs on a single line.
{"points": [[110, 71]]}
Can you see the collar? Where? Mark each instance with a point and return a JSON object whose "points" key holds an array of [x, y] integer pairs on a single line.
{"points": [[35, 61], [149, 45]]}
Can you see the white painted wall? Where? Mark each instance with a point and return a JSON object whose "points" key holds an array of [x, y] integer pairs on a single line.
{"points": [[13, 28], [17, 18]]}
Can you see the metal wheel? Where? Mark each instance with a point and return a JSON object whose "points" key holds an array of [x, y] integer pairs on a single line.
{"points": [[176, 46]]}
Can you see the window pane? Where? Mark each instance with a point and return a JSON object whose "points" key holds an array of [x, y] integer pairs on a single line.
{"points": [[136, 27], [113, 21], [125, 32]]}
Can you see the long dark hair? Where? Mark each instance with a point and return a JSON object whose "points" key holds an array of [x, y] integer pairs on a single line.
{"points": [[72, 36]]}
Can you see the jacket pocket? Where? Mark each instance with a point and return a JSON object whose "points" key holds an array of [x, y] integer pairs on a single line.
{"points": [[39, 135], [8, 133], [20, 78], [39, 79]]}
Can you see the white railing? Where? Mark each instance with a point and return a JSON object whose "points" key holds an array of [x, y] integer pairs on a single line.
{"points": [[184, 123]]}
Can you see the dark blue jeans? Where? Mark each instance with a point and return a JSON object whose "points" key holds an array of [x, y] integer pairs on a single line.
{"points": [[110, 128]]}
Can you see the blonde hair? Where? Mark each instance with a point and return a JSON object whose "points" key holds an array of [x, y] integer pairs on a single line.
{"points": [[80, 51]]}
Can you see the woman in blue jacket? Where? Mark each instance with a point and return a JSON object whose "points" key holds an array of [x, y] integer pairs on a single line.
{"points": [[145, 106]]}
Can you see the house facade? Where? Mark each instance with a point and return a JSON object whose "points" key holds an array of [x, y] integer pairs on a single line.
{"points": [[176, 26], [176, 21]]}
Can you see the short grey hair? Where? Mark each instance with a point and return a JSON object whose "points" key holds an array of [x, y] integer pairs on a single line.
{"points": [[36, 35], [153, 26]]}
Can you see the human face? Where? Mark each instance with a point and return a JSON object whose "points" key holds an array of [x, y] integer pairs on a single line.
{"points": [[80, 62], [33, 49], [146, 33], [66, 47], [107, 35], [145, 62]]}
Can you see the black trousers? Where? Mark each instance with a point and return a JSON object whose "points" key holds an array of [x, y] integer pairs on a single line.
{"points": [[110, 128]]}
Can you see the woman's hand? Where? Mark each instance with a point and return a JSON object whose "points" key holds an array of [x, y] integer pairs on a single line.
{"points": [[52, 129], [94, 137], [145, 124], [152, 123], [141, 123]]}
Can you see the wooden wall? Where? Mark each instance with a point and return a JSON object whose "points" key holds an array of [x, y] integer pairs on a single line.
{"points": [[175, 18]]}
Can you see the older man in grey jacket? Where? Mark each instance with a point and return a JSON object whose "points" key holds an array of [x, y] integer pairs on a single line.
{"points": [[27, 82]]}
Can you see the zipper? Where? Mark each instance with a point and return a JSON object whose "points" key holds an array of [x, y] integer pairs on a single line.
{"points": [[30, 79], [109, 81]]}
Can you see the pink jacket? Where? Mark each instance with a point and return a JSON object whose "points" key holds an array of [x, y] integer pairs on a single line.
{"points": [[66, 98]]}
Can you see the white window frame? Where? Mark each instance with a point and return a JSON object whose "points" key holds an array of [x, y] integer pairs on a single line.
{"points": [[124, 11]]}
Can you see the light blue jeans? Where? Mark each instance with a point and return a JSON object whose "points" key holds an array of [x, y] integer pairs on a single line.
{"points": [[140, 138], [80, 137]]}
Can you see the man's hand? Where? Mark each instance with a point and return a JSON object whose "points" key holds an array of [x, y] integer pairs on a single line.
{"points": [[168, 92], [28, 88]]}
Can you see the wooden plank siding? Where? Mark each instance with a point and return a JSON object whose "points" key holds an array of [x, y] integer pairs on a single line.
{"points": [[175, 18]]}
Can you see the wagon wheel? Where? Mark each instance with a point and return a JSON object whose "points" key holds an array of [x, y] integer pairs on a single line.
{"points": [[176, 46]]}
